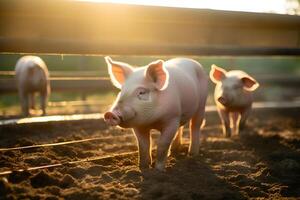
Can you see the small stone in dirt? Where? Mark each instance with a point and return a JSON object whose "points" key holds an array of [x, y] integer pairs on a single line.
{"points": [[17, 177], [68, 181], [42, 179], [94, 170]]}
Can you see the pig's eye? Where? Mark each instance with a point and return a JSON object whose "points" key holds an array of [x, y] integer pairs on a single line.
{"points": [[143, 94]]}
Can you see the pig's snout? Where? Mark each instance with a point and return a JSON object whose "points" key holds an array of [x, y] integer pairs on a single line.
{"points": [[112, 119], [222, 100]]}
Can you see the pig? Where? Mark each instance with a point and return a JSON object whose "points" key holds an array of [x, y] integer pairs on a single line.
{"points": [[233, 97], [163, 95], [32, 76]]}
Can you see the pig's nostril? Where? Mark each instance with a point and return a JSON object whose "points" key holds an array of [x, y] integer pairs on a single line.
{"points": [[114, 117], [111, 118], [108, 115]]}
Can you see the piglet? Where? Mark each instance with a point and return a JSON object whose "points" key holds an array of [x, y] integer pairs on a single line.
{"points": [[32, 76], [233, 97], [162, 96]]}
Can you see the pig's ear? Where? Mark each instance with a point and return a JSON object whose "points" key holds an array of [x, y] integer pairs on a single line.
{"points": [[157, 73], [249, 83], [217, 73], [118, 71]]}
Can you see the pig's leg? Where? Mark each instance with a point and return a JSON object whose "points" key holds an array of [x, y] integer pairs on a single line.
{"points": [[195, 125], [144, 143], [24, 102], [235, 118], [32, 101], [244, 116], [164, 142], [224, 115], [43, 99], [177, 141]]}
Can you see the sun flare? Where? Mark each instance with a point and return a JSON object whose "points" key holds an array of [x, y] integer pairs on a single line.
{"points": [[268, 6]]}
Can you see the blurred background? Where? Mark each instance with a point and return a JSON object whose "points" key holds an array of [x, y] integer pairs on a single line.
{"points": [[77, 85]]}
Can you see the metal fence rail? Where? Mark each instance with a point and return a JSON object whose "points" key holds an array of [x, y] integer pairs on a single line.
{"points": [[89, 84], [73, 27]]}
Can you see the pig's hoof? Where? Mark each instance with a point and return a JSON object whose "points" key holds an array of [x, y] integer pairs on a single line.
{"points": [[193, 153], [160, 167], [242, 133], [227, 135], [144, 166], [242, 127]]}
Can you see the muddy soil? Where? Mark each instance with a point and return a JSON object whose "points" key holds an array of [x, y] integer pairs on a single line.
{"points": [[264, 162]]}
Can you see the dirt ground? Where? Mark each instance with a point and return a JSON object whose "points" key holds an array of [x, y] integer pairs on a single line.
{"points": [[264, 162]]}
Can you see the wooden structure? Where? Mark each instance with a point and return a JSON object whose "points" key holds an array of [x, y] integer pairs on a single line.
{"points": [[76, 27]]}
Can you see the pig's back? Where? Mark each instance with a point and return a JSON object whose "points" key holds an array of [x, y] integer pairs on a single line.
{"points": [[186, 73], [31, 81], [24, 62], [189, 80]]}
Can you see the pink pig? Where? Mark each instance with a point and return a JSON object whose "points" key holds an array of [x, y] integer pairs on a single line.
{"points": [[233, 96], [32, 76], [162, 96]]}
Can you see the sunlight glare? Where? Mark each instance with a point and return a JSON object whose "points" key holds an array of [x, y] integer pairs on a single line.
{"points": [[269, 6]]}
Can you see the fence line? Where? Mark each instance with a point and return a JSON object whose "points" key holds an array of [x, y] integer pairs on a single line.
{"points": [[102, 84]]}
